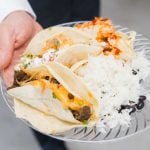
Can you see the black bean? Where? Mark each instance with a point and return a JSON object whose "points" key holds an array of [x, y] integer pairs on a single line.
{"points": [[132, 111], [132, 107], [140, 105], [124, 107], [142, 98], [134, 72], [70, 96]]}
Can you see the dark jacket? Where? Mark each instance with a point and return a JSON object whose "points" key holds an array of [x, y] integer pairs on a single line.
{"points": [[52, 12]]}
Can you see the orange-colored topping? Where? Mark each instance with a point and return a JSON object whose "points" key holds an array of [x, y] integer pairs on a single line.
{"points": [[67, 99], [53, 43], [106, 32], [71, 101], [117, 51], [57, 42], [106, 29], [95, 21], [111, 50], [107, 50]]}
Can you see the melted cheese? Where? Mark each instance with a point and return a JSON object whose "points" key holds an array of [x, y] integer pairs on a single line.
{"points": [[62, 94]]}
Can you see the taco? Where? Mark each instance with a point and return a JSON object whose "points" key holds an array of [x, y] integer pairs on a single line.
{"points": [[115, 43], [55, 38], [67, 57], [40, 121], [60, 94], [77, 53]]}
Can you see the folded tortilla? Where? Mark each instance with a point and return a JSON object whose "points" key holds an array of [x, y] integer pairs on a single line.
{"points": [[56, 38], [33, 96], [76, 53], [41, 121], [40, 96]]}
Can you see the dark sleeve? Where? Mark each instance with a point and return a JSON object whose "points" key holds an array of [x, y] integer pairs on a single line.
{"points": [[52, 12], [85, 9]]}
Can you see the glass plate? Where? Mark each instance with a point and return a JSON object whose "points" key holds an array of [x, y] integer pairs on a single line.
{"points": [[140, 119]]}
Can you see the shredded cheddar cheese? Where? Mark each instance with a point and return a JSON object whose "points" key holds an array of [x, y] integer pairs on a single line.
{"points": [[62, 94]]}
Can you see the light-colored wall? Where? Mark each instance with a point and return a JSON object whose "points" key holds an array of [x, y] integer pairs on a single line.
{"points": [[134, 14]]}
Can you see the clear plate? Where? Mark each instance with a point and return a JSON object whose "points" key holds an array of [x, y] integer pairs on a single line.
{"points": [[140, 119]]}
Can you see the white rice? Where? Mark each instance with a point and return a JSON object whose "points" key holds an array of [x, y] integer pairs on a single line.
{"points": [[113, 84]]}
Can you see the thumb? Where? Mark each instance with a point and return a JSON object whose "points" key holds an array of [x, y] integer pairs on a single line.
{"points": [[6, 46]]}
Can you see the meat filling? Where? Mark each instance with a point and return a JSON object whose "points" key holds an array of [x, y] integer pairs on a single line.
{"points": [[19, 76], [82, 114]]}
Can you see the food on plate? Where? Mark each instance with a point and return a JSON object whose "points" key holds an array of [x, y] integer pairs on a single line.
{"points": [[44, 123], [117, 84], [77, 53], [67, 56], [61, 94], [85, 75], [114, 43], [55, 38]]}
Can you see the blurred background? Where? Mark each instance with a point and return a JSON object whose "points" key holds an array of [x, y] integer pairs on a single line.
{"points": [[134, 14], [14, 135]]}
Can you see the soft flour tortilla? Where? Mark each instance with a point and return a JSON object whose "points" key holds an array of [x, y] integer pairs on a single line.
{"points": [[41, 97], [79, 65], [73, 54], [70, 81], [73, 84], [33, 96], [77, 53], [42, 122], [125, 44], [38, 42]]}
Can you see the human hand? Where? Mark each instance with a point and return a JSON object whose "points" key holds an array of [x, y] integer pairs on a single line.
{"points": [[16, 32]]}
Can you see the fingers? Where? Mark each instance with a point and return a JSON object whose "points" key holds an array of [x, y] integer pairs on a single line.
{"points": [[26, 35], [22, 37], [8, 76], [38, 27], [6, 46], [8, 73]]}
